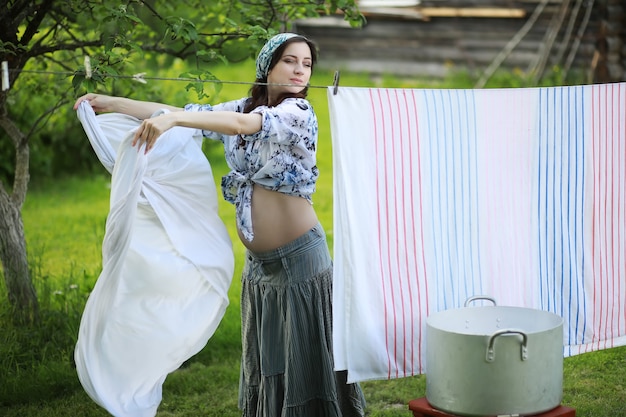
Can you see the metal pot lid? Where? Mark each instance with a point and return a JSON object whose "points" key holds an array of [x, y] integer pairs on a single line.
{"points": [[484, 321]]}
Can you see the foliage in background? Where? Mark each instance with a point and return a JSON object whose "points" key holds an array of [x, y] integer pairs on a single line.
{"points": [[45, 43], [48, 37]]}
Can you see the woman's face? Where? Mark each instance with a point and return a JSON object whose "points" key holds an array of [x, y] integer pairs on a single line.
{"points": [[293, 68]]}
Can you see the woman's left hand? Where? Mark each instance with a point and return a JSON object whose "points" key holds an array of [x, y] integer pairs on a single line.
{"points": [[151, 129]]}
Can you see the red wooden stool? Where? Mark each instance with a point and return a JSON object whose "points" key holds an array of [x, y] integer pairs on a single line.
{"points": [[421, 408]]}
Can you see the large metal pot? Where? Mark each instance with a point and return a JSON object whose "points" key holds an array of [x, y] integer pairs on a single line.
{"points": [[493, 360]]}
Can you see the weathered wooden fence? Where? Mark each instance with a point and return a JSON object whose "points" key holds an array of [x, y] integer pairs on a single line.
{"points": [[481, 36]]}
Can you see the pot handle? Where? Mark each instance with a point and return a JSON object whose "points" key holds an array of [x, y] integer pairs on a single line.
{"points": [[491, 354], [479, 297]]}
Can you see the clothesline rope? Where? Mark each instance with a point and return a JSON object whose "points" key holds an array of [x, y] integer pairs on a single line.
{"points": [[141, 77]]}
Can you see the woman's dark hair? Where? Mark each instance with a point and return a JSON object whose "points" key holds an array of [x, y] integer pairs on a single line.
{"points": [[258, 91]]}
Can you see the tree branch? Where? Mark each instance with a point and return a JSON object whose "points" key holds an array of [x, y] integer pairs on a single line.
{"points": [[39, 13], [62, 47]]}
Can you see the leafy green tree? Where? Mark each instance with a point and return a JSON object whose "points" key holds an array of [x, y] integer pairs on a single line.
{"points": [[53, 35]]}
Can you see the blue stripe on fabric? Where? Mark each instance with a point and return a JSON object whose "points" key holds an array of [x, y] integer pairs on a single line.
{"points": [[571, 135], [562, 141], [468, 137], [572, 210], [574, 130], [572, 265], [551, 198], [555, 202], [445, 172], [451, 197], [578, 198], [449, 139], [540, 182], [431, 108], [549, 206], [558, 204], [475, 252], [461, 238], [452, 207], [583, 151]]}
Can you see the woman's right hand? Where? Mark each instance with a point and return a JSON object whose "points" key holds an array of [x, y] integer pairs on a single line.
{"points": [[100, 103]]}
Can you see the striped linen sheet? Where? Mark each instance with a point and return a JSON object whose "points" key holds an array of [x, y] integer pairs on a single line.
{"points": [[440, 195]]}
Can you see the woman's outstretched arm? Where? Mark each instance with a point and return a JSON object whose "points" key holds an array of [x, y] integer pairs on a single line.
{"points": [[227, 122], [110, 104]]}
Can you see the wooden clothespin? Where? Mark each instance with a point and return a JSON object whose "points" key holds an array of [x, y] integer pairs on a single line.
{"points": [[336, 83], [87, 67], [5, 76], [139, 77]]}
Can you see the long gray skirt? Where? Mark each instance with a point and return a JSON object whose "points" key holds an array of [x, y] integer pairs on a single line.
{"points": [[287, 363]]}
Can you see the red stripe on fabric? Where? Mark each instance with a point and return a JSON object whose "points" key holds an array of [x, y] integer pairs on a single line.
{"points": [[594, 112], [375, 116], [418, 158], [621, 271], [599, 214], [610, 232], [602, 207], [388, 228], [617, 204], [605, 173], [615, 118], [406, 237], [601, 138], [406, 184], [394, 111], [607, 228]]}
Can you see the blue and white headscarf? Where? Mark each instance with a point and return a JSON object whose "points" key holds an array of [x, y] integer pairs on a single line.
{"points": [[264, 59]]}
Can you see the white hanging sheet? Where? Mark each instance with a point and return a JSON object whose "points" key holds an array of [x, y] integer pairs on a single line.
{"points": [[167, 264], [440, 195]]}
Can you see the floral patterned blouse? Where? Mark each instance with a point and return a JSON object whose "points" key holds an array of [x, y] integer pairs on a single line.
{"points": [[280, 157]]}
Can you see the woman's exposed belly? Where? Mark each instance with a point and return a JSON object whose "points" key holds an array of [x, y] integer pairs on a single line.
{"points": [[277, 219]]}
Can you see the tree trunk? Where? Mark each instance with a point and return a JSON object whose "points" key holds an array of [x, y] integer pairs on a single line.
{"points": [[20, 289], [13, 256]]}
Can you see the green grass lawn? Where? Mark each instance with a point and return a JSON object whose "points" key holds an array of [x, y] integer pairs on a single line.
{"points": [[64, 221], [74, 211]]}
